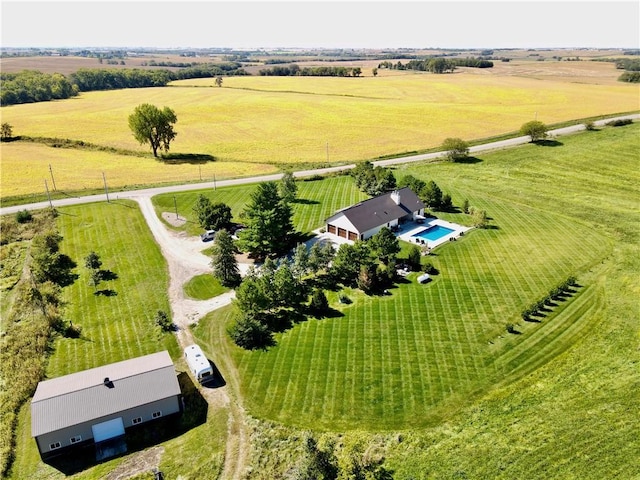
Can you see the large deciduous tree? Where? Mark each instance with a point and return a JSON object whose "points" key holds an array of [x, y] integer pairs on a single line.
{"points": [[6, 131], [535, 129], [373, 180], [385, 245], [223, 262], [212, 216], [269, 230], [151, 125], [456, 148]]}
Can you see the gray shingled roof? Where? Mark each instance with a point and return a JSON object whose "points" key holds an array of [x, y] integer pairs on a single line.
{"points": [[380, 210], [80, 397]]}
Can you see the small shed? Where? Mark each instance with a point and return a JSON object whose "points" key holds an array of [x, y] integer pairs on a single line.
{"points": [[98, 405]]}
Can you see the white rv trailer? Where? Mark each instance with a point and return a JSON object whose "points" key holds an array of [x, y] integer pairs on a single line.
{"points": [[198, 363]]}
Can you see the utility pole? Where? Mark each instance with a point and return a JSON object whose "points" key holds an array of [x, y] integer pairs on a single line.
{"points": [[214, 181], [52, 179], [176, 206], [48, 196], [200, 170], [106, 191], [327, 152]]}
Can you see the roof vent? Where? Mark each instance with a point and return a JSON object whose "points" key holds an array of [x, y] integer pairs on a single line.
{"points": [[108, 383]]}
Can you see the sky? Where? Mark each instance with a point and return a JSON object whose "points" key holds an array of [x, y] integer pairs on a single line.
{"points": [[243, 24]]}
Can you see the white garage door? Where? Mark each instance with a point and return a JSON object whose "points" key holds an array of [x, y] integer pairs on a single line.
{"points": [[106, 430]]}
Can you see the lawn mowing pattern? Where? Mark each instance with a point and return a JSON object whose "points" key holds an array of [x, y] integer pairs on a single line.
{"points": [[114, 327], [404, 360], [391, 362], [575, 417]]}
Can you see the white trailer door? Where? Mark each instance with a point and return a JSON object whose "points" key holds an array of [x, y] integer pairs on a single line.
{"points": [[106, 430]]}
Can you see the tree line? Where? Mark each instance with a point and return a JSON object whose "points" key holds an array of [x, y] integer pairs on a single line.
{"points": [[31, 86], [438, 64], [295, 70]]}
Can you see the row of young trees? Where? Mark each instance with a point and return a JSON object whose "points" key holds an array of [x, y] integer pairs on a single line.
{"points": [[555, 294]]}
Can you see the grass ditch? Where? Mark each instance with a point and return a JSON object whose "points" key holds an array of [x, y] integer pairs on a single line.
{"points": [[31, 318]]}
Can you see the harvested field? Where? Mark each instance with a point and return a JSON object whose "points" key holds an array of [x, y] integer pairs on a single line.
{"points": [[255, 124]]}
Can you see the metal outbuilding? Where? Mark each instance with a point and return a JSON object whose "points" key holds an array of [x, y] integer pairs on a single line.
{"points": [[98, 405]]}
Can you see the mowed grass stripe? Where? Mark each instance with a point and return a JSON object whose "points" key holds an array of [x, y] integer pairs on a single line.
{"points": [[421, 348], [119, 326], [567, 321]]}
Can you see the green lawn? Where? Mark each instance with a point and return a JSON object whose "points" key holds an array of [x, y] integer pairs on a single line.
{"points": [[117, 324], [413, 358], [316, 201], [203, 287]]}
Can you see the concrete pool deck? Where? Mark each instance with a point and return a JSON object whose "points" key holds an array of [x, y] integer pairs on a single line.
{"points": [[407, 231]]}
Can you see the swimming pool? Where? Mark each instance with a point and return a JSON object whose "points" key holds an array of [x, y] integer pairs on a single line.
{"points": [[433, 233]]}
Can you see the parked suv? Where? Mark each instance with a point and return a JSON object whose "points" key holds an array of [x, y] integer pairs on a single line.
{"points": [[208, 235]]}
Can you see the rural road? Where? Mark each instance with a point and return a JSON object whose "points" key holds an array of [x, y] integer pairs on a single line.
{"points": [[150, 192]]}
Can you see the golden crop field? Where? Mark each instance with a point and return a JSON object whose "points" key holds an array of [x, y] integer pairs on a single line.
{"points": [[253, 123], [25, 167]]}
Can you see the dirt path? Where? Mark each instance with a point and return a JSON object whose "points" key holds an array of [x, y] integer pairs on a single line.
{"points": [[185, 260]]}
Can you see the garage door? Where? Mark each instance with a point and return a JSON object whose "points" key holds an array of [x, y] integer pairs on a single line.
{"points": [[106, 430]]}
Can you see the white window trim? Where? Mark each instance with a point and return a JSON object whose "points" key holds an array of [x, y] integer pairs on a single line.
{"points": [[157, 414], [55, 446], [136, 421], [76, 439]]}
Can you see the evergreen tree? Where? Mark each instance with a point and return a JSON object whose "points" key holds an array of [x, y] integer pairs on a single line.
{"points": [[250, 297], [431, 195], [224, 263], [288, 188], [319, 304], [414, 258], [269, 228]]}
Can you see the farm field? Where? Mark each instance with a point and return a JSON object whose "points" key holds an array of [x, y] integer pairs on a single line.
{"points": [[257, 125], [78, 171]]}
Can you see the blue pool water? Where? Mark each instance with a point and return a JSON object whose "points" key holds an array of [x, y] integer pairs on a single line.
{"points": [[433, 233]]}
